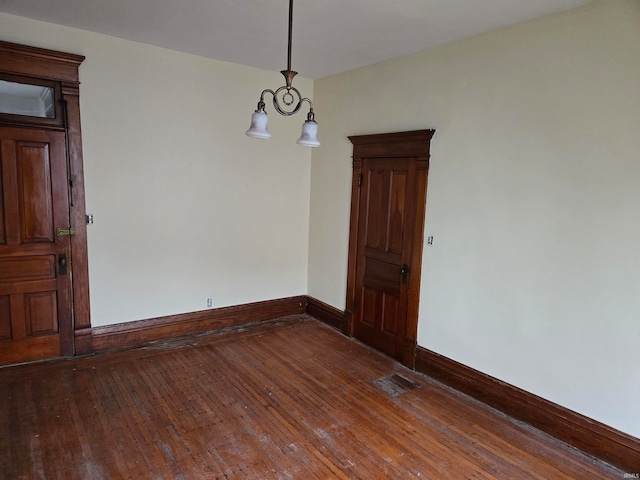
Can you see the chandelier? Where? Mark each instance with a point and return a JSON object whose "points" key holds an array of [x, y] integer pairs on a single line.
{"points": [[284, 101]]}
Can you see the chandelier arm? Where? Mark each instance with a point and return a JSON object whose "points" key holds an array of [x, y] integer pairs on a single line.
{"points": [[310, 116], [266, 90]]}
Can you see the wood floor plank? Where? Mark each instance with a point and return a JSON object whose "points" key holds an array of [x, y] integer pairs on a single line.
{"points": [[291, 399]]}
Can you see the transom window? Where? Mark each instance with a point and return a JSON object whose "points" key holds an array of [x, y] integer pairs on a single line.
{"points": [[28, 100]]}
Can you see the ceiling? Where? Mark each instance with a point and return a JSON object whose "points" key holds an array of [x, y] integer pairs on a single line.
{"points": [[329, 36]]}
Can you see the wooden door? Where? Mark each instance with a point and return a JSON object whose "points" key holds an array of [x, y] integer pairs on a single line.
{"points": [[35, 274], [385, 253], [36, 319], [387, 202]]}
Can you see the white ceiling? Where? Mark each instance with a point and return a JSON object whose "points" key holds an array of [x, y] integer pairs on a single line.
{"points": [[329, 36]]}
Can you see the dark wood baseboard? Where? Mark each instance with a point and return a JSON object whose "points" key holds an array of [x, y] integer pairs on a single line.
{"points": [[592, 437], [141, 332], [325, 313], [83, 341]]}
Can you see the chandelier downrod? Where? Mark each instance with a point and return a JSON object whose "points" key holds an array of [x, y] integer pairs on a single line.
{"points": [[290, 35]]}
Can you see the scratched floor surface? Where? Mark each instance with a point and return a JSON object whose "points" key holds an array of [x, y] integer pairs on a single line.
{"points": [[291, 399]]}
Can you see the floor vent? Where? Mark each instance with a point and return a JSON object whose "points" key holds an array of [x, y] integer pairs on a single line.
{"points": [[395, 385]]}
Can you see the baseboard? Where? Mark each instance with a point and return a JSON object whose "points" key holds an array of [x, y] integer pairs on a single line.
{"points": [[141, 332], [83, 341], [590, 436], [325, 313]]}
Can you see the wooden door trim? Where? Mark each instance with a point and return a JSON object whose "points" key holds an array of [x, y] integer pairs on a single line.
{"points": [[39, 62], [412, 144], [63, 67]]}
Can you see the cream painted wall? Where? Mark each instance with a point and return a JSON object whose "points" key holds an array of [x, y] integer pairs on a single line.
{"points": [[533, 200], [186, 206]]}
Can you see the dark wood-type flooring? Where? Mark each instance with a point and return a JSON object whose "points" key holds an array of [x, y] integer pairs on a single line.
{"points": [[287, 399]]}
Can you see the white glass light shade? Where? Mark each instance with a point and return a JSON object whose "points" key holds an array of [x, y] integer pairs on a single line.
{"points": [[258, 128], [309, 135]]}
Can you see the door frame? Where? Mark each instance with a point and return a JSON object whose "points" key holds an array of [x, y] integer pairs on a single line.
{"points": [[415, 145], [62, 68]]}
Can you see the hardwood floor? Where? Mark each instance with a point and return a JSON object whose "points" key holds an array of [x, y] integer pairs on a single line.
{"points": [[287, 399]]}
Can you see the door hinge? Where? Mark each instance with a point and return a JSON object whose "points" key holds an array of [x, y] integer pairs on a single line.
{"points": [[65, 232], [359, 179]]}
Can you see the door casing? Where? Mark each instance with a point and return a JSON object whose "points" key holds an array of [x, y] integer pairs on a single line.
{"points": [[414, 145]]}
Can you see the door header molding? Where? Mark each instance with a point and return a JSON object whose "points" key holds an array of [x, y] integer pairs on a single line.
{"points": [[39, 62], [398, 144]]}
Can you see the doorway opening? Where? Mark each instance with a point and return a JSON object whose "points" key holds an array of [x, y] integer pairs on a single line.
{"points": [[44, 280]]}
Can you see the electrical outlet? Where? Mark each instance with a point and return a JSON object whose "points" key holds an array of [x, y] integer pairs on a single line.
{"points": [[209, 302]]}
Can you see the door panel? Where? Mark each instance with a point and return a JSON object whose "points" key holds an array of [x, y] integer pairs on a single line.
{"points": [[17, 269], [34, 191], [375, 183], [35, 301], [40, 312], [384, 245], [5, 318], [389, 312], [397, 201]]}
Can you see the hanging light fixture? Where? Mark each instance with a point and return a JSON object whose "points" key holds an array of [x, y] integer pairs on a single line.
{"points": [[283, 101]]}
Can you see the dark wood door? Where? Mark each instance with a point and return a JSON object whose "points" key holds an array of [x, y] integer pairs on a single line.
{"points": [[387, 205], [385, 244], [35, 289]]}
